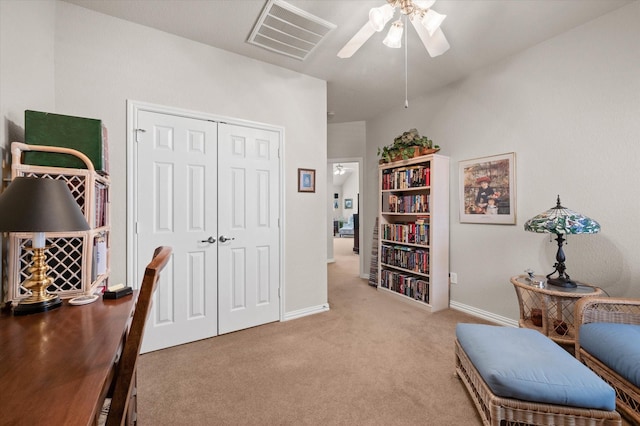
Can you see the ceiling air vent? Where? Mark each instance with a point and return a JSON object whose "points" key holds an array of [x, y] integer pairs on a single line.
{"points": [[285, 29]]}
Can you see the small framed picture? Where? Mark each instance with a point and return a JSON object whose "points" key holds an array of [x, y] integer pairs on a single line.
{"points": [[348, 203], [488, 190], [306, 180]]}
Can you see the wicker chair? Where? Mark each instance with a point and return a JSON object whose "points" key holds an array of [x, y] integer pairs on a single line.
{"points": [[611, 310]]}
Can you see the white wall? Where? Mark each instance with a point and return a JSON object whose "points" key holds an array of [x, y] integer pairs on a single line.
{"points": [[26, 65], [569, 109], [26, 80], [346, 140], [100, 62]]}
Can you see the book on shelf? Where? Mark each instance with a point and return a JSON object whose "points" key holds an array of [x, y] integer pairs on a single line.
{"points": [[409, 258], [411, 233], [393, 202], [406, 177], [422, 230], [101, 200], [408, 285], [99, 256], [416, 203]]}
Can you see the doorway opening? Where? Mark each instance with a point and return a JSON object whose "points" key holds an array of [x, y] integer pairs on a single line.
{"points": [[344, 212]]}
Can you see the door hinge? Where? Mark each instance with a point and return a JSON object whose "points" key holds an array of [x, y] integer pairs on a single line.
{"points": [[138, 131], [137, 228]]}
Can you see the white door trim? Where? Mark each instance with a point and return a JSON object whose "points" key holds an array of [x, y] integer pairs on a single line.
{"points": [[133, 107]]}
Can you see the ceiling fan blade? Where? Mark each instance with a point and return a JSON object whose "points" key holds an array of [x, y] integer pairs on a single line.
{"points": [[357, 41], [435, 44]]}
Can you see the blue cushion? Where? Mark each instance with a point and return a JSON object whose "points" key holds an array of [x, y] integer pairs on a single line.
{"points": [[616, 345], [524, 364]]}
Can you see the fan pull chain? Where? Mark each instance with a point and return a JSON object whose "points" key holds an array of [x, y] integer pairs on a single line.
{"points": [[406, 68]]}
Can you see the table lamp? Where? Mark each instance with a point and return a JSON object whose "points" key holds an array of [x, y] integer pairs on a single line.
{"points": [[39, 205], [560, 220]]}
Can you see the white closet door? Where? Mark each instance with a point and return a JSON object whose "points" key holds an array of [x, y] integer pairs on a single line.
{"points": [[248, 206], [176, 186]]}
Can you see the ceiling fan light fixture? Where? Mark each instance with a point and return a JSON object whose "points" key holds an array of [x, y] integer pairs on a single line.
{"points": [[379, 16], [432, 20], [394, 37], [426, 22]]}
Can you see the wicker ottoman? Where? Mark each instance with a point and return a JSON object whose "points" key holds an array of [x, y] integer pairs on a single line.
{"points": [[532, 381]]}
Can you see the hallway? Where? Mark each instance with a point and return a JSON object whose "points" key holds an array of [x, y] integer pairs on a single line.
{"points": [[345, 258]]}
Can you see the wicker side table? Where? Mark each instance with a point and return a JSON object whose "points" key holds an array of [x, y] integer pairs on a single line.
{"points": [[549, 309]]}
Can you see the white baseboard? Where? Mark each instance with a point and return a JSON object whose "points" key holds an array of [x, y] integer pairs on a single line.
{"points": [[486, 315], [306, 311]]}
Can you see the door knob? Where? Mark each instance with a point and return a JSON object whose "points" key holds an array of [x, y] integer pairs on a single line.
{"points": [[222, 238], [209, 240]]}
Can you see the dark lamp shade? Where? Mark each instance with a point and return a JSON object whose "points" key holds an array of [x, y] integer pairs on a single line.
{"points": [[39, 205]]}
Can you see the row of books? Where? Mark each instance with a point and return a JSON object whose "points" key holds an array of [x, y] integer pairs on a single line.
{"points": [[406, 177], [102, 199], [410, 258], [416, 288], [99, 261], [418, 203], [413, 233]]}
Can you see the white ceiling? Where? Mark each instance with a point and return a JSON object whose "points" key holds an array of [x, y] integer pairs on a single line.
{"points": [[371, 81]]}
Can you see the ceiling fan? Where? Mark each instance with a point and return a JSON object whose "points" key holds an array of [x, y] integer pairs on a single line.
{"points": [[425, 20], [339, 169]]}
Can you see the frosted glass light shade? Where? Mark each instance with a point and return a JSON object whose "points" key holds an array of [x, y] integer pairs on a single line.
{"points": [[432, 21], [394, 37], [379, 16]]}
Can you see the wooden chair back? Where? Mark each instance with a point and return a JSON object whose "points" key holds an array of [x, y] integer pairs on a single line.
{"points": [[126, 369]]}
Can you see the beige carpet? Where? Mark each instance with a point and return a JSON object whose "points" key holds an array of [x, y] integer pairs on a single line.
{"points": [[370, 360]]}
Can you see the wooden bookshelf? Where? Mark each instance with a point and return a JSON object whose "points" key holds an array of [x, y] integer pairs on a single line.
{"points": [[413, 246]]}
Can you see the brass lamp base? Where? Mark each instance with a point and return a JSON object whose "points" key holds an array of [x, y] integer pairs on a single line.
{"points": [[39, 300]]}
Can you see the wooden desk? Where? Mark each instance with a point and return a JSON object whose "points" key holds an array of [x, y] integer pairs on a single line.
{"points": [[56, 367]]}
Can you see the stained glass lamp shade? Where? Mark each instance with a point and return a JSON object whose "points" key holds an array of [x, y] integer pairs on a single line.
{"points": [[560, 220]]}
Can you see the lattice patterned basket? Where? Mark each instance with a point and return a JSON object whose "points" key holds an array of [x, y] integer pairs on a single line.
{"points": [[70, 256]]}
